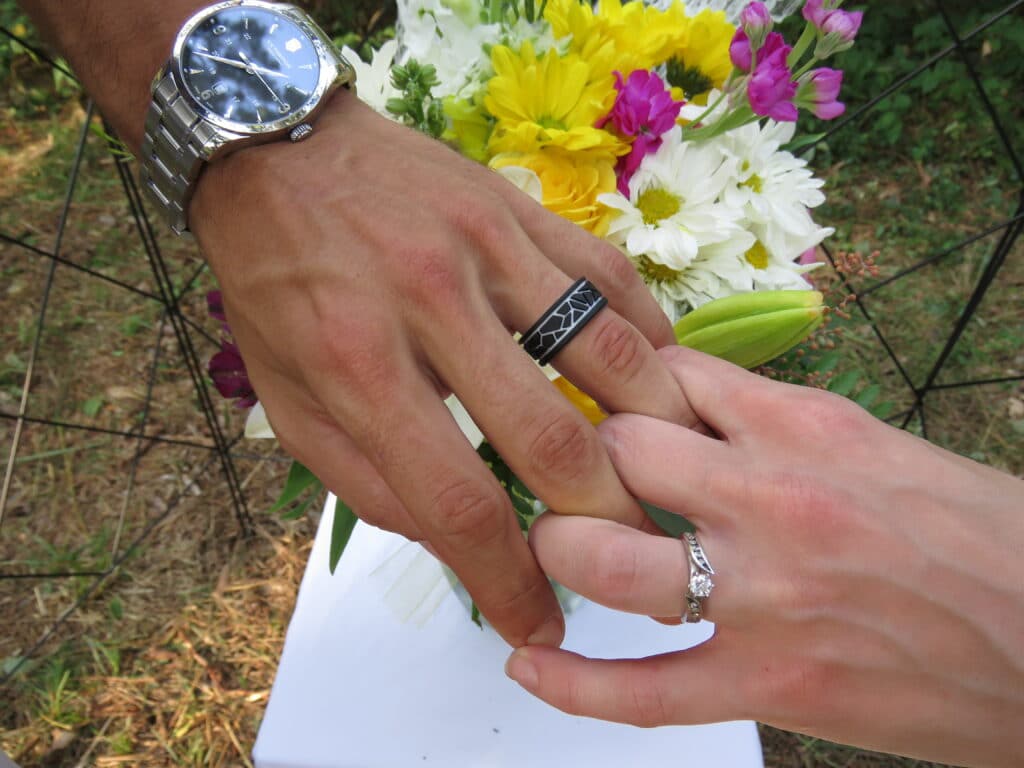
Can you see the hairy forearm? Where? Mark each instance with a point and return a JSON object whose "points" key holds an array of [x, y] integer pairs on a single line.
{"points": [[115, 47]]}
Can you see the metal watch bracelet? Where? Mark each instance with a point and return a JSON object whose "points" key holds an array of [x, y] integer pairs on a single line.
{"points": [[170, 167]]}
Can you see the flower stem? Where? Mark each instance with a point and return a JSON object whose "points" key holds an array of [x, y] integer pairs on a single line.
{"points": [[809, 35]]}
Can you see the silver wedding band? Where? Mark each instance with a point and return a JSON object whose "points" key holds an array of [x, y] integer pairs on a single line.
{"points": [[563, 320], [699, 586]]}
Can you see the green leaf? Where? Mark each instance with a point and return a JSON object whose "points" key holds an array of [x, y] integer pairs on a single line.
{"points": [[116, 609], [474, 615], [882, 410], [672, 524], [299, 479], [826, 363], [844, 383], [802, 141], [300, 509], [341, 530], [91, 407], [867, 396]]}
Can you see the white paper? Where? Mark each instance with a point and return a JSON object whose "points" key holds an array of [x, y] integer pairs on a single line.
{"points": [[359, 688]]}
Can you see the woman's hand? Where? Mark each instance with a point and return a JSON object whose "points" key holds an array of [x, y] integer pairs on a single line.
{"points": [[869, 586]]}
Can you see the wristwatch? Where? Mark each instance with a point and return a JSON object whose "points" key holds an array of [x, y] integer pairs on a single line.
{"points": [[242, 72]]}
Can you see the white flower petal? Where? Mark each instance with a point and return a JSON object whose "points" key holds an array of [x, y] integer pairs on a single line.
{"points": [[465, 421], [257, 425]]}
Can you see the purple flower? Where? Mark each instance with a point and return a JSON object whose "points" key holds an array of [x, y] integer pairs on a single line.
{"points": [[838, 27], [227, 368], [643, 111], [818, 91], [215, 305], [756, 22], [230, 377], [771, 88]]}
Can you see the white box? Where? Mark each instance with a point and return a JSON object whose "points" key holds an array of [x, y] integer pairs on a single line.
{"points": [[358, 687]]}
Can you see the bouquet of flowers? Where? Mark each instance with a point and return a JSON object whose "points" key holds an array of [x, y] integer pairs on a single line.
{"points": [[666, 129]]}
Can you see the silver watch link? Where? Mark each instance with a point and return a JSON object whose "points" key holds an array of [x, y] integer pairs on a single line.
{"points": [[241, 72]]}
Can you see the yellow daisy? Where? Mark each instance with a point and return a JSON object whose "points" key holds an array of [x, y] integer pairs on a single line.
{"points": [[639, 36], [549, 100], [701, 61]]}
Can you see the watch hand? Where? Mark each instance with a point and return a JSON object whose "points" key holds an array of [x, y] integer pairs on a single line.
{"points": [[252, 68], [242, 64], [222, 60]]}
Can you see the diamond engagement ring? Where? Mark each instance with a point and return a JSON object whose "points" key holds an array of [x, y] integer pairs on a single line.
{"points": [[700, 584], [563, 320]]}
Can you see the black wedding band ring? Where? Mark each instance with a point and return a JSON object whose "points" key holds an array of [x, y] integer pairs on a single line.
{"points": [[563, 320]]}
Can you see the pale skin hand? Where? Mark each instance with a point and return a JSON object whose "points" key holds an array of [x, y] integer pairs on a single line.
{"points": [[367, 271], [869, 587]]}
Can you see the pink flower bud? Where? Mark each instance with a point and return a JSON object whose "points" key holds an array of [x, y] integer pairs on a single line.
{"points": [[818, 91], [756, 22]]}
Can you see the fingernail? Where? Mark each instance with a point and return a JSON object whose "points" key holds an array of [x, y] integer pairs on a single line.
{"points": [[521, 669], [549, 633]]}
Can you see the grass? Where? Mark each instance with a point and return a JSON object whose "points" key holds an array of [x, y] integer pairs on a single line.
{"points": [[169, 662]]}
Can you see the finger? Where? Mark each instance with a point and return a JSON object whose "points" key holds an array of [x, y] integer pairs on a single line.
{"points": [[723, 396], [674, 468], [310, 435], [683, 688], [627, 570], [549, 444], [412, 439], [609, 358], [579, 254]]}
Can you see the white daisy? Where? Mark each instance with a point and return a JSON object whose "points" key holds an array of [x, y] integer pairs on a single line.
{"points": [[773, 187], [685, 242]]}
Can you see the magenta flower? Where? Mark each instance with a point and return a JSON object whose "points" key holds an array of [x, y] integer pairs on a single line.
{"points": [[643, 111], [818, 91], [838, 27], [227, 368], [741, 52], [771, 88], [215, 306], [230, 377]]}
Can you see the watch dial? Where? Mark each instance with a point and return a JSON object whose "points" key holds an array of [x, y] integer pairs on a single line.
{"points": [[250, 65]]}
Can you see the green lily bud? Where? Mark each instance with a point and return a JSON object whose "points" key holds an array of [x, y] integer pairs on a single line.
{"points": [[750, 329]]}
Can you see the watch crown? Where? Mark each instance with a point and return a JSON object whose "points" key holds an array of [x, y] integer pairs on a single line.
{"points": [[300, 132]]}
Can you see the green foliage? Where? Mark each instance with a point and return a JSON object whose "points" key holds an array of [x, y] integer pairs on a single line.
{"points": [[416, 107], [341, 531]]}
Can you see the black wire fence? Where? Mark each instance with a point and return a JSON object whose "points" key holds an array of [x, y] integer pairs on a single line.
{"points": [[162, 300]]}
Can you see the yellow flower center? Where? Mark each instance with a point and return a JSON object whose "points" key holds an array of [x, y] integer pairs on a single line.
{"points": [[657, 204], [653, 272], [757, 256], [552, 122], [755, 183]]}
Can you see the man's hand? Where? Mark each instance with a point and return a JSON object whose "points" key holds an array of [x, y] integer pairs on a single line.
{"points": [[369, 271]]}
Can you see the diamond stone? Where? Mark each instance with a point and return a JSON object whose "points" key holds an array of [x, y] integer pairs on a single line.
{"points": [[700, 585]]}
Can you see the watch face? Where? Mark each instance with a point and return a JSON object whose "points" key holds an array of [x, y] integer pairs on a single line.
{"points": [[250, 66]]}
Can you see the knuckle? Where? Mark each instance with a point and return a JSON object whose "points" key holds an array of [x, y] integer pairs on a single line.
{"points": [[619, 349], [827, 414], [793, 685], [564, 449], [620, 272], [433, 278], [469, 511]]}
